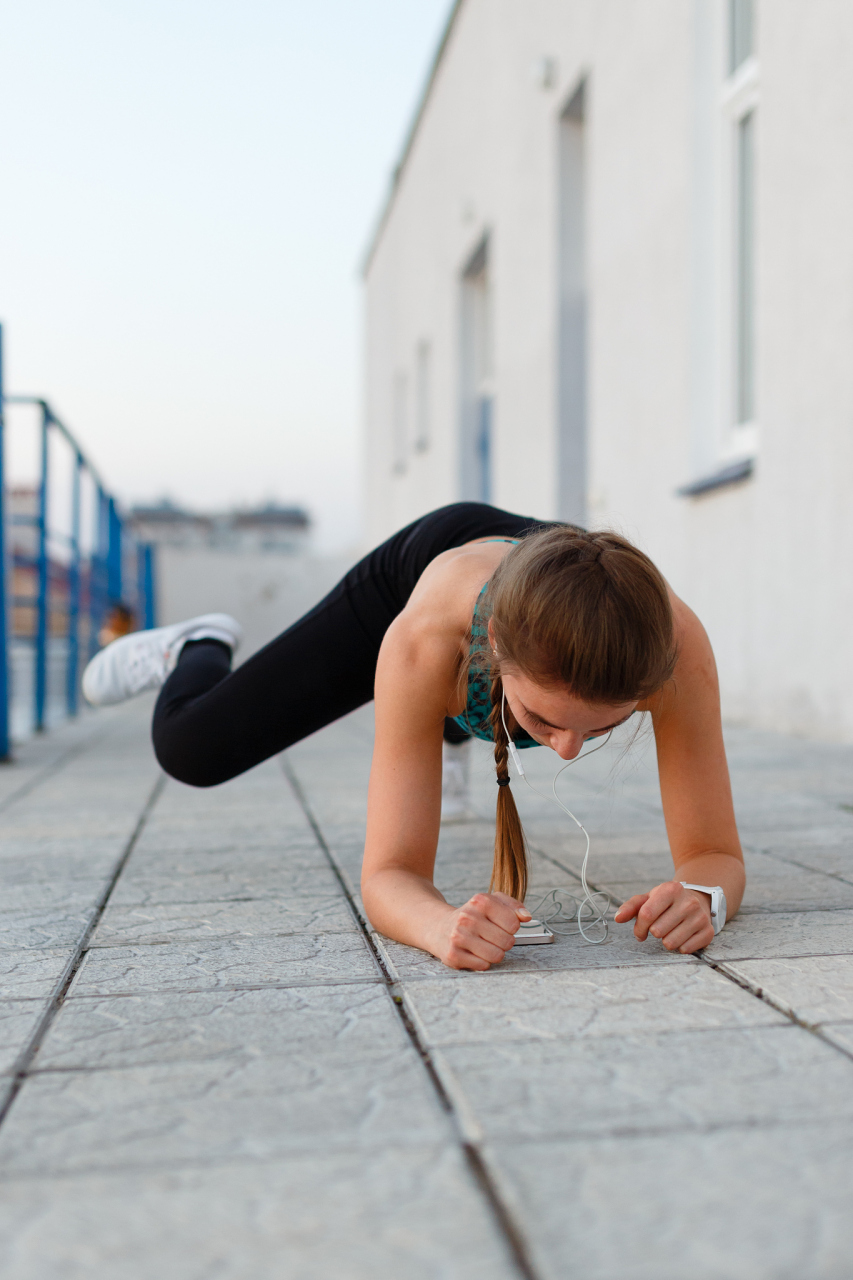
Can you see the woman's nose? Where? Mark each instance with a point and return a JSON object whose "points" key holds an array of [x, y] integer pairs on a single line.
{"points": [[568, 745]]}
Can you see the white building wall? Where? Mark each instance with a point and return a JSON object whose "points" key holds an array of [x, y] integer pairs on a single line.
{"points": [[765, 563]]}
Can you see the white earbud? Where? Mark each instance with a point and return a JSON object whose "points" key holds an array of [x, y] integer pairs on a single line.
{"points": [[513, 750]]}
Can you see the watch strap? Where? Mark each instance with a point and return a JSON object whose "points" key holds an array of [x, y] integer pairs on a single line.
{"points": [[718, 900]]}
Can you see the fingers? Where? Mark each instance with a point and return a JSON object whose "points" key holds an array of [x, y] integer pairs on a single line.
{"points": [[657, 902], [464, 949], [462, 959], [519, 907], [483, 931], [503, 911], [678, 918], [629, 909], [698, 940]]}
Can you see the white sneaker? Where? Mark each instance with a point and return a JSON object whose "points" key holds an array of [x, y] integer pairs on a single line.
{"points": [[455, 794], [142, 660]]}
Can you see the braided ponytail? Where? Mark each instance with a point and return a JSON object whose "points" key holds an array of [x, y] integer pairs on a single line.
{"points": [[509, 870]]}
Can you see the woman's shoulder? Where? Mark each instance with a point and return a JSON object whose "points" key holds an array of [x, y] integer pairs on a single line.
{"points": [[432, 631], [456, 577], [442, 603]]}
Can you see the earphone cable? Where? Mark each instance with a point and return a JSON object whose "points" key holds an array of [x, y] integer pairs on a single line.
{"points": [[595, 918]]}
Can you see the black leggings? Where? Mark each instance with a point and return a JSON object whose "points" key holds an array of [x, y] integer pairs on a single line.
{"points": [[211, 723]]}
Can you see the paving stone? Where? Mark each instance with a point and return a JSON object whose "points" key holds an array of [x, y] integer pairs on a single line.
{"points": [[43, 928], [199, 920], [300, 854], [229, 1026], [824, 849], [605, 868], [758, 1203], [799, 933], [647, 1082], [604, 817], [18, 1021], [80, 807], [39, 757], [74, 848], [815, 988], [840, 1034], [202, 882], [28, 975], [60, 867], [230, 964], [598, 1002], [221, 839], [60, 898], [787, 888], [255, 1108], [321, 1216]]}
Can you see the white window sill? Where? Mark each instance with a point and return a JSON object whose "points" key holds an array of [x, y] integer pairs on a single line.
{"points": [[724, 477]]}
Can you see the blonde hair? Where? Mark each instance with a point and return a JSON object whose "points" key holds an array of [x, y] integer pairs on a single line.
{"points": [[584, 611]]}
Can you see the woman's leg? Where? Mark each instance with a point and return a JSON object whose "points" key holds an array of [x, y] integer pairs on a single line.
{"points": [[211, 724]]}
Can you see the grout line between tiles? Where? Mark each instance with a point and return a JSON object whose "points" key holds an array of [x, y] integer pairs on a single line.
{"points": [[47, 771], [24, 1061], [740, 980], [793, 862], [477, 1166]]}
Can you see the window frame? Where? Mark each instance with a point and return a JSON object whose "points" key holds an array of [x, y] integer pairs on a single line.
{"points": [[740, 98]]}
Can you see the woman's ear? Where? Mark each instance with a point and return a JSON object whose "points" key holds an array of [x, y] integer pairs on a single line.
{"points": [[492, 641]]}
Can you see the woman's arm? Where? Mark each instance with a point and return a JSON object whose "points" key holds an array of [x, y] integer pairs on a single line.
{"points": [[415, 678], [697, 800]]}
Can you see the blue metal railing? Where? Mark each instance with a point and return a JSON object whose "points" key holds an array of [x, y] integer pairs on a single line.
{"points": [[93, 581]]}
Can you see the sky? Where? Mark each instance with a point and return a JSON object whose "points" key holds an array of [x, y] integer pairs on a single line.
{"points": [[188, 190]]}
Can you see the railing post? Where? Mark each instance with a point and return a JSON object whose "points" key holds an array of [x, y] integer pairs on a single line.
{"points": [[72, 670], [4, 616], [43, 596], [145, 585], [93, 579], [114, 575], [96, 563]]}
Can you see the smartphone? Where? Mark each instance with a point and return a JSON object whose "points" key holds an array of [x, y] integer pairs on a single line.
{"points": [[533, 932]]}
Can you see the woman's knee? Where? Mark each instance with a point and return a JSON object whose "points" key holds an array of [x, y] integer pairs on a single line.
{"points": [[195, 763]]}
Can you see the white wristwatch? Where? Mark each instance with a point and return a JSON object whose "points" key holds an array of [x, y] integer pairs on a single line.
{"points": [[718, 902]]}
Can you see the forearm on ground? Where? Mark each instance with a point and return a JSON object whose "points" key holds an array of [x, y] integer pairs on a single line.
{"points": [[404, 906], [715, 868]]}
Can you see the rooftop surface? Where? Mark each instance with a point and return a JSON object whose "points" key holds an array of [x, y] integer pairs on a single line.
{"points": [[214, 1069]]}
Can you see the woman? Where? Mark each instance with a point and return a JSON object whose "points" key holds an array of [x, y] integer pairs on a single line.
{"points": [[470, 618]]}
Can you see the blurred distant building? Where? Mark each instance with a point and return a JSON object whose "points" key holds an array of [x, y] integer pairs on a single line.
{"points": [[254, 563], [269, 528], [613, 283]]}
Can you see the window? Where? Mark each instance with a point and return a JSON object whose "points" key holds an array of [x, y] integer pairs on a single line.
{"points": [[423, 406], [741, 32], [400, 423], [725, 319], [739, 100], [572, 319], [745, 270], [477, 378]]}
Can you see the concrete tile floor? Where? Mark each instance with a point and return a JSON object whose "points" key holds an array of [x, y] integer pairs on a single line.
{"points": [[210, 1066]]}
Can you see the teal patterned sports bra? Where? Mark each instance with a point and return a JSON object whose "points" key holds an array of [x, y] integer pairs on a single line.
{"points": [[475, 717]]}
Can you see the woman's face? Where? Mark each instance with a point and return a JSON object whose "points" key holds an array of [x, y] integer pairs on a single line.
{"points": [[556, 718]]}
